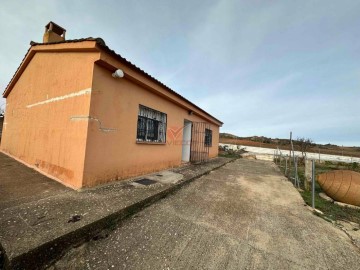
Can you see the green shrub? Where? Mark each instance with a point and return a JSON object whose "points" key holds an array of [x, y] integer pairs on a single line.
{"points": [[354, 165], [328, 163], [340, 163]]}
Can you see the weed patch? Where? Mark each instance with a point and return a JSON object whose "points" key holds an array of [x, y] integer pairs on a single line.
{"points": [[331, 211]]}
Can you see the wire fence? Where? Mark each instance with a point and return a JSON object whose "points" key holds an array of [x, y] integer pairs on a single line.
{"points": [[289, 165]]}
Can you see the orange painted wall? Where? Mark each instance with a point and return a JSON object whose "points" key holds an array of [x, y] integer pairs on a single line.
{"points": [[112, 151], [72, 120], [39, 129]]}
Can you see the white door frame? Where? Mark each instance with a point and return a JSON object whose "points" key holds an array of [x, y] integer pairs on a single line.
{"points": [[186, 141]]}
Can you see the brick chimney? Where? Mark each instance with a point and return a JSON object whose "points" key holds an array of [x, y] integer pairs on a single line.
{"points": [[54, 33]]}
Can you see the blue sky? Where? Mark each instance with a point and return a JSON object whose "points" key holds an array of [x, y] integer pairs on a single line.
{"points": [[262, 67]]}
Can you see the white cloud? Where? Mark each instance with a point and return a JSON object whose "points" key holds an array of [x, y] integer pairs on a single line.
{"points": [[262, 67]]}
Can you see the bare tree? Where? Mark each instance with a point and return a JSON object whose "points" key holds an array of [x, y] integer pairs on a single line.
{"points": [[304, 144], [2, 110]]}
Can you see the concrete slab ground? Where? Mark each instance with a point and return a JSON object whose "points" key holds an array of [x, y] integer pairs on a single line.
{"points": [[20, 184], [40, 218], [245, 215]]}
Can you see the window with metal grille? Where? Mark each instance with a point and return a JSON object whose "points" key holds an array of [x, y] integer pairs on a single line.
{"points": [[208, 137], [151, 126]]}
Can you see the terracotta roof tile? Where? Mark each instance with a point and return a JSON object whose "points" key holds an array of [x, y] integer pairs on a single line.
{"points": [[103, 45]]}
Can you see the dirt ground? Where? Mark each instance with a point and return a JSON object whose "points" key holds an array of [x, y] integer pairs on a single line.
{"points": [[245, 215]]}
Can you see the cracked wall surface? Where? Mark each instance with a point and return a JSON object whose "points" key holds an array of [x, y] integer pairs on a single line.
{"points": [[112, 151], [68, 118]]}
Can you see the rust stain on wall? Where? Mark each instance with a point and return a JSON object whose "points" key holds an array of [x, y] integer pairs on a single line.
{"points": [[55, 170]]}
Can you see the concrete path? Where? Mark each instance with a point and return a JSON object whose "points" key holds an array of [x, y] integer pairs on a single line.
{"points": [[40, 219], [245, 215], [20, 185]]}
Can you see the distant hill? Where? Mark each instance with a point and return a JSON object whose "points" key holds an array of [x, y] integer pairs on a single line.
{"points": [[284, 144], [261, 139], [228, 135]]}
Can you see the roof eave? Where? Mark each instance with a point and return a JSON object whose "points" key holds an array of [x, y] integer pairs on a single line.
{"points": [[42, 47], [91, 44], [118, 57]]}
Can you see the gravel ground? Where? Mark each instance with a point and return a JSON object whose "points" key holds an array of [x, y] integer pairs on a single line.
{"points": [[245, 215]]}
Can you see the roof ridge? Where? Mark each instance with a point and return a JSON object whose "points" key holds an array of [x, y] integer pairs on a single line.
{"points": [[103, 45], [98, 40]]}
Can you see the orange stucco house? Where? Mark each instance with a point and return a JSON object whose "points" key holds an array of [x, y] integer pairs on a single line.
{"points": [[84, 115]]}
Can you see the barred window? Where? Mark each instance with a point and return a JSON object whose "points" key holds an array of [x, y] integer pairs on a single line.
{"points": [[208, 137], [151, 126]]}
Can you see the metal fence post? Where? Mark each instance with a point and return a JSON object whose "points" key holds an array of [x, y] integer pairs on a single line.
{"points": [[296, 178], [275, 154], [295, 171], [313, 185], [285, 166]]}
